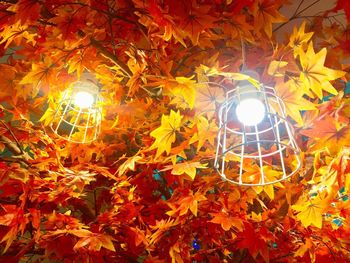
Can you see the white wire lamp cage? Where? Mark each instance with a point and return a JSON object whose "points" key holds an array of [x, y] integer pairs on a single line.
{"points": [[255, 144], [78, 115]]}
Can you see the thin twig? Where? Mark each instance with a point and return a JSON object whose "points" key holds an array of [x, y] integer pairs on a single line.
{"points": [[296, 14], [306, 8], [124, 68], [19, 150], [329, 249], [244, 59]]}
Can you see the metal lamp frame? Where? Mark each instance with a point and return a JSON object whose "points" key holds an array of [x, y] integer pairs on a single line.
{"points": [[256, 143], [71, 120]]}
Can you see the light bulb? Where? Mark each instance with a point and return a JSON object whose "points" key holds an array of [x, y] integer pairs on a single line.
{"points": [[250, 111], [83, 99]]}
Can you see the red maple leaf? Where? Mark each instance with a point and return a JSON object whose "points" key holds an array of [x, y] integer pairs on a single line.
{"points": [[345, 5]]}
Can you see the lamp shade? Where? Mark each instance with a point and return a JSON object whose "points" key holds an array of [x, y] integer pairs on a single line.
{"points": [[255, 143], [78, 115]]}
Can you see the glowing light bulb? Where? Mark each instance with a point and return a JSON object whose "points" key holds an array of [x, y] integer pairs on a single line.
{"points": [[250, 111], [83, 99]]}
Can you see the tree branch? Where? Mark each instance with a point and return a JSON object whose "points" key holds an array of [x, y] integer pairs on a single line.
{"points": [[113, 58], [14, 146]]}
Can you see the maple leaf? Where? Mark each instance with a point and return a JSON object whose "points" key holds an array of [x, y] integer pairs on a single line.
{"points": [[328, 134], [277, 68], [227, 221], [307, 246], [238, 5], [293, 100], [129, 164], [166, 134], [205, 132], [265, 13], [15, 33], [314, 75], [184, 90], [161, 227], [81, 60], [196, 22], [41, 75], [175, 253], [189, 168], [16, 220], [299, 39], [94, 241], [27, 10], [137, 78], [345, 5], [311, 210], [254, 242], [189, 202], [69, 21], [239, 27], [8, 75]]}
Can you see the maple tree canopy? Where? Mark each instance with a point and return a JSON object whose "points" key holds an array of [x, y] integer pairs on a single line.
{"points": [[146, 190]]}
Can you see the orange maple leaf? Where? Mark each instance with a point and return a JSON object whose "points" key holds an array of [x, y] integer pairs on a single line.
{"points": [[227, 221], [41, 76], [328, 134], [196, 21], [293, 100], [184, 204], [266, 13]]}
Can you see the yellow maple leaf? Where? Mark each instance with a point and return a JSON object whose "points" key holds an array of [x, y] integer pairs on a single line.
{"points": [[310, 210], [293, 100], [41, 75], [206, 131], [189, 168], [299, 39], [182, 90], [15, 33], [129, 164], [276, 68], [314, 75], [166, 134]]}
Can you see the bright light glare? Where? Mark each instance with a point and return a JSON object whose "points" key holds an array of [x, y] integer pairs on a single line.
{"points": [[250, 111], [83, 99]]}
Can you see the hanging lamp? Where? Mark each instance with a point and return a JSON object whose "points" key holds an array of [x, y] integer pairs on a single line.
{"points": [[255, 143], [78, 115]]}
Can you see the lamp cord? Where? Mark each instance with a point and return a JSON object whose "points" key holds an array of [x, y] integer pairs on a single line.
{"points": [[243, 53]]}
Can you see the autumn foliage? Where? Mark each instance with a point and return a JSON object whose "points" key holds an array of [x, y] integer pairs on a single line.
{"points": [[146, 189]]}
